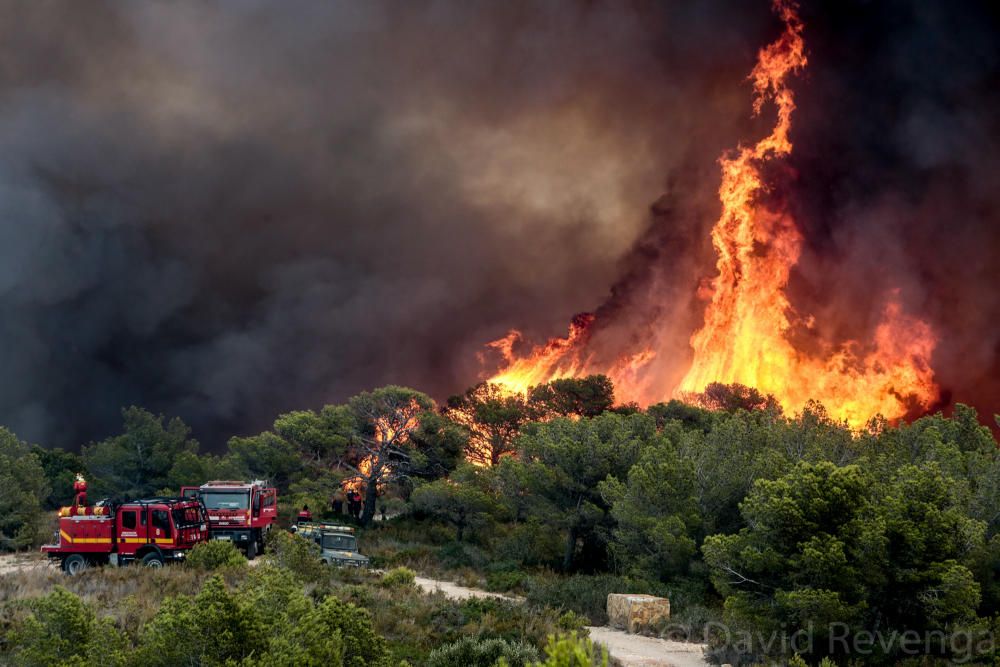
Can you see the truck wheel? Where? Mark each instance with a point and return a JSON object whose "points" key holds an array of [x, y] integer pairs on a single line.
{"points": [[74, 564], [152, 559], [251, 548]]}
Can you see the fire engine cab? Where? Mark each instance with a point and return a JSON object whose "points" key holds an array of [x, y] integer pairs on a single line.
{"points": [[153, 531], [241, 512]]}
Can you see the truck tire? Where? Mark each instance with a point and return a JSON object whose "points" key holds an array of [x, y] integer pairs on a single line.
{"points": [[74, 564], [152, 559], [252, 548]]}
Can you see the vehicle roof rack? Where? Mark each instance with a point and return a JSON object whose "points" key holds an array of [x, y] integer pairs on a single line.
{"points": [[166, 500], [323, 525]]}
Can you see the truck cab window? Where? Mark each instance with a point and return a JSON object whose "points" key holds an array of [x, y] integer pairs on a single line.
{"points": [[339, 542], [128, 520], [226, 500], [161, 520]]}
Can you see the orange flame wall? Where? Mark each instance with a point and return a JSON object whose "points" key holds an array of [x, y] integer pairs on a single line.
{"points": [[744, 337]]}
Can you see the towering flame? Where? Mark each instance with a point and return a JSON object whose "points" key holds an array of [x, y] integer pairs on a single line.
{"points": [[744, 338]]}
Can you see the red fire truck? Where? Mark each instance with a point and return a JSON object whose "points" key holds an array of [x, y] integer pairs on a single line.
{"points": [[152, 531], [241, 512]]}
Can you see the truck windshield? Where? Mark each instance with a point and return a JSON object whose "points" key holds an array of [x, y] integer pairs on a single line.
{"points": [[187, 517], [226, 500], [339, 542]]}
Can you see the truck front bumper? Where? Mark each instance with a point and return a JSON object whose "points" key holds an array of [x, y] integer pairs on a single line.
{"points": [[238, 536]]}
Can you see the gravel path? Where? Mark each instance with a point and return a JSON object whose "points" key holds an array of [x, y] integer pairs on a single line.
{"points": [[631, 650], [639, 651], [459, 592]]}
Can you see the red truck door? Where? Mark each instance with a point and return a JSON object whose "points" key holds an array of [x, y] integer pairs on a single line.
{"points": [[264, 507], [160, 526], [131, 529], [269, 511]]}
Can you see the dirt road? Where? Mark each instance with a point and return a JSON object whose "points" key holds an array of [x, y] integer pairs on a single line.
{"points": [[639, 651], [631, 650], [10, 563], [459, 592]]}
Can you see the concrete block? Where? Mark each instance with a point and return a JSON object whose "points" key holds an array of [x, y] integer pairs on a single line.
{"points": [[637, 613]]}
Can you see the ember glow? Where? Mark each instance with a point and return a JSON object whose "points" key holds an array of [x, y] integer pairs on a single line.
{"points": [[748, 318], [357, 482], [387, 432]]}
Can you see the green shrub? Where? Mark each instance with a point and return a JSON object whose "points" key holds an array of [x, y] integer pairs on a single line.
{"points": [[363, 647], [363, 596], [269, 587], [388, 555], [504, 582], [210, 628], [476, 652], [583, 594], [532, 543], [460, 554], [307, 644], [400, 577], [297, 554], [307, 630], [62, 630], [573, 651], [505, 619], [214, 555], [268, 620], [570, 621], [588, 594]]}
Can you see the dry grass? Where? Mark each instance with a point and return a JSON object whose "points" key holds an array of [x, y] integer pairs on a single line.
{"points": [[129, 595], [412, 622]]}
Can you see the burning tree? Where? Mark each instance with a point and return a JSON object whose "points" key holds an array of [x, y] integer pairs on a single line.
{"points": [[494, 413], [732, 397], [494, 416], [382, 447], [582, 397]]}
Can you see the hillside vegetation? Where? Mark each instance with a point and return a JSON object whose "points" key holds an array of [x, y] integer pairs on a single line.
{"points": [[772, 534]]}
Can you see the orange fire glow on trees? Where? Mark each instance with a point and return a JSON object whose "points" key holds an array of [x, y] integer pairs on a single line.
{"points": [[390, 435], [744, 338]]}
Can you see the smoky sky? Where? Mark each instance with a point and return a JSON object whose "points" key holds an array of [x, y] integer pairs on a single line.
{"points": [[227, 210]]}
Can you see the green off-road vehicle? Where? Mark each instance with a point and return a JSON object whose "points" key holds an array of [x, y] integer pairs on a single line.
{"points": [[338, 544]]}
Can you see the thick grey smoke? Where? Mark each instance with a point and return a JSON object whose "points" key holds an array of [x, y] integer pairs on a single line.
{"points": [[224, 210]]}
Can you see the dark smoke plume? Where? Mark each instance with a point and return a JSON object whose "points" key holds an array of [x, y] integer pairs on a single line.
{"points": [[225, 210]]}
